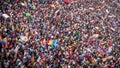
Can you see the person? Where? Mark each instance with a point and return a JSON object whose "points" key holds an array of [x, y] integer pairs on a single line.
{"points": [[56, 34]]}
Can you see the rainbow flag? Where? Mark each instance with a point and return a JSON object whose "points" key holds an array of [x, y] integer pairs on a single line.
{"points": [[55, 43], [106, 58], [4, 42], [51, 42]]}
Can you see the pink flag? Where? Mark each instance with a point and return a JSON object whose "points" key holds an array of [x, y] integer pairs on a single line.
{"points": [[95, 35], [67, 1], [43, 41], [109, 43]]}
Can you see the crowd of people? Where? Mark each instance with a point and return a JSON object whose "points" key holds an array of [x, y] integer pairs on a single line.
{"points": [[59, 34]]}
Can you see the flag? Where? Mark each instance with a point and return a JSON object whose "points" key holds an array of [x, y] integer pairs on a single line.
{"points": [[27, 14], [43, 1], [103, 25], [95, 35], [25, 4], [66, 1], [110, 49], [17, 28], [57, 2], [5, 16], [23, 38], [76, 33], [0, 37], [62, 48], [119, 58], [92, 60], [46, 16], [4, 42], [107, 58], [51, 42], [22, 4], [13, 28], [52, 5], [96, 28], [104, 59], [32, 58], [27, 34], [106, 66], [55, 43], [91, 8], [33, 5], [112, 28], [43, 41], [16, 49], [109, 43]]}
